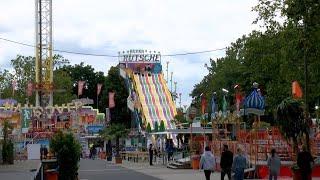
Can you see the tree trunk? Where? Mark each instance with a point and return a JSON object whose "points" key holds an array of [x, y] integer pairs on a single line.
{"points": [[117, 146], [308, 142], [295, 147]]}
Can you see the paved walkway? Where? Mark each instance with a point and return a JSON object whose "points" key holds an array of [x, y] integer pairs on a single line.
{"points": [[20, 170], [100, 170], [162, 172]]}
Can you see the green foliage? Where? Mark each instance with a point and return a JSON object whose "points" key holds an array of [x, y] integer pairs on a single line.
{"points": [[162, 127], [7, 152], [180, 118], [290, 119], [116, 84], [82, 72], [156, 126], [148, 130], [24, 72], [7, 144], [67, 150], [273, 58], [115, 131], [64, 85]]}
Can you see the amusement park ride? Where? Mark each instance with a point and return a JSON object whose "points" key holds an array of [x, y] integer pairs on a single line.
{"points": [[43, 53], [150, 102]]}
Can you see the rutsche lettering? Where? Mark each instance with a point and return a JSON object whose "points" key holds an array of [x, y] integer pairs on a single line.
{"points": [[141, 57]]}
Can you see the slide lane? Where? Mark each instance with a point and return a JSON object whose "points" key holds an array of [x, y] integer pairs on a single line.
{"points": [[154, 99], [157, 103], [143, 99], [162, 99], [150, 103], [168, 96]]}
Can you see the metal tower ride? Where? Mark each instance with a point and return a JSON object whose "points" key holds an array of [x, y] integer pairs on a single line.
{"points": [[43, 53]]}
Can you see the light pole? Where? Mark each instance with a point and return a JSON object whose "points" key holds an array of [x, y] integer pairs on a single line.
{"points": [[180, 94], [167, 71], [171, 81], [317, 115]]}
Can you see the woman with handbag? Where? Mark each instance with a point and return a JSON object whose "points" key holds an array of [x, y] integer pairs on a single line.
{"points": [[207, 162]]}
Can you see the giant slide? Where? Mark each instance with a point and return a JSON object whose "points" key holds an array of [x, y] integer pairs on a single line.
{"points": [[155, 98]]}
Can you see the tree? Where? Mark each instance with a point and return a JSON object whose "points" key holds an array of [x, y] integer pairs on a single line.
{"points": [[290, 118], [148, 130], [24, 72], [64, 85], [156, 126], [162, 127], [115, 131], [5, 83], [7, 144], [67, 150], [114, 83]]}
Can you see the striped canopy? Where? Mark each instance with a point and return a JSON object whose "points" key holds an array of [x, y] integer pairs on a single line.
{"points": [[255, 100]]}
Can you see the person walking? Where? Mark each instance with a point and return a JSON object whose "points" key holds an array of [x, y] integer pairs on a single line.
{"points": [[226, 162], [207, 162], [45, 151], [150, 154], [238, 166], [274, 165], [305, 161]]}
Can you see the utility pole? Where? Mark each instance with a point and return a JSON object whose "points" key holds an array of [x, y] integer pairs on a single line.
{"points": [[175, 86]]}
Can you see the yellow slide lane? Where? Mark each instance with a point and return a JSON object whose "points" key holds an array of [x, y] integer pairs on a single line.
{"points": [[172, 105], [142, 100], [157, 104]]}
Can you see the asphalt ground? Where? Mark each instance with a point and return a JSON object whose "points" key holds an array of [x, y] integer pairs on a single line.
{"points": [[101, 170]]}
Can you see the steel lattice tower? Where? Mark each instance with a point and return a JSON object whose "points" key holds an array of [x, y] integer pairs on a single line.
{"points": [[43, 53]]}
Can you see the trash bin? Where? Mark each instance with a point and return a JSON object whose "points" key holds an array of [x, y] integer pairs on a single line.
{"points": [[51, 174], [195, 161]]}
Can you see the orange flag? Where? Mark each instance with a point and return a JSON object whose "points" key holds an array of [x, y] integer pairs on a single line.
{"points": [[296, 90]]}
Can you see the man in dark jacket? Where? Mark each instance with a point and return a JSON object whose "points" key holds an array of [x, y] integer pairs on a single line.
{"points": [[226, 162], [304, 162], [150, 154]]}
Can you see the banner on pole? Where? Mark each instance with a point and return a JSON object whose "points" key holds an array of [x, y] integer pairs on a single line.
{"points": [[99, 86], [14, 86], [80, 87], [29, 89], [111, 100]]}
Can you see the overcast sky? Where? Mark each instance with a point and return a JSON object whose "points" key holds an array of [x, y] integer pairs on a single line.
{"points": [[109, 26]]}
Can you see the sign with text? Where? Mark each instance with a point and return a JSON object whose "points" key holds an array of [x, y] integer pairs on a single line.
{"points": [[26, 117], [94, 129], [139, 56]]}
